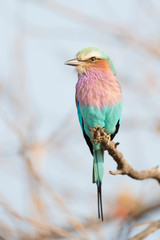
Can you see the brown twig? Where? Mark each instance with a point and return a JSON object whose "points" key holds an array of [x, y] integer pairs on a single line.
{"points": [[53, 230], [150, 229], [99, 135], [146, 209], [116, 30], [77, 225]]}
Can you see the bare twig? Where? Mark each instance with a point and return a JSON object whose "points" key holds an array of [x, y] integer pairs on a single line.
{"points": [[77, 225], [123, 33], [146, 209], [150, 229], [99, 135], [58, 232]]}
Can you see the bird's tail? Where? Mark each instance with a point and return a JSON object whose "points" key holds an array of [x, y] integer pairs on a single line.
{"points": [[98, 170]]}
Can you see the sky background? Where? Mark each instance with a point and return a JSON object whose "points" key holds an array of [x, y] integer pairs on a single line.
{"points": [[38, 106]]}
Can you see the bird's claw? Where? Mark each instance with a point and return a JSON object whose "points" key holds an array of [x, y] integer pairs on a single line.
{"points": [[99, 134], [108, 137]]}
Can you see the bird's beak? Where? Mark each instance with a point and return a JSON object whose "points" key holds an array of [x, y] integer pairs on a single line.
{"points": [[73, 62]]}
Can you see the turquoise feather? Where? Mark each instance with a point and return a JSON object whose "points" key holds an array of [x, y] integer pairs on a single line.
{"points": [[92, 117], [106, 117], [98, 165]]}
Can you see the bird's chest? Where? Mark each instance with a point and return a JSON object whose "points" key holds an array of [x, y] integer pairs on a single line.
{"points": [[96, 93]]}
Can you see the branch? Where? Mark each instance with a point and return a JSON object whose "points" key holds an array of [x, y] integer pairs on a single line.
{"points": [[150, 229], [146, 209], [99, 135]]}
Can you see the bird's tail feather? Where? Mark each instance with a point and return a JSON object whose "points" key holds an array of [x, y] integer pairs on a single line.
{"points": [[98, 170], [100, 206]]}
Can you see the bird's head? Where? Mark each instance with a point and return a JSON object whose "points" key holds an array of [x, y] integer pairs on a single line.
{"points": [[91, 58]]}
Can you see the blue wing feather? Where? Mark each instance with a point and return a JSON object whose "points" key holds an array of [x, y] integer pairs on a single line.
{"points": [[79, 114], [82, 127]]}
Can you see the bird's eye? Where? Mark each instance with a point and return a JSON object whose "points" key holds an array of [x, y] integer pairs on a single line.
{"points": [[92, 59]]}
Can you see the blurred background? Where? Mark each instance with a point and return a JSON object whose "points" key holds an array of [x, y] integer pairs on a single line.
{"points": [[46, 189]]}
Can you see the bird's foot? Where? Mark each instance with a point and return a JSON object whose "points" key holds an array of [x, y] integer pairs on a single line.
{"points": [[108, 137], [99, 135]]}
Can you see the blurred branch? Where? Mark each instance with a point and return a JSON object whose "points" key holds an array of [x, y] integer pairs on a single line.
{"points": [[150, 229], [77, 225], [144, 210], [102, 26], [58, 232], [13, 127], [123, 167], [51, 140]]}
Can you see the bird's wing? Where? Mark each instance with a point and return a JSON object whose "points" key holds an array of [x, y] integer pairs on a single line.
{"points": [[79, 113], [117, 129], [82, 126], [113, 119]]}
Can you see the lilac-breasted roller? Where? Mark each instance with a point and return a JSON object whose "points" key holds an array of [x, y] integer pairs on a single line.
{"points": [[99, 103]]}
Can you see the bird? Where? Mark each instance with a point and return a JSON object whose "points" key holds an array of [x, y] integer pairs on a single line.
{"points": [[99, 103]]}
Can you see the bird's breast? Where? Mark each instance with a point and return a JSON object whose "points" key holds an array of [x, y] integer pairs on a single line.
{"points": [[98, 92]]}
